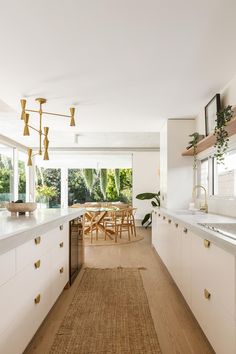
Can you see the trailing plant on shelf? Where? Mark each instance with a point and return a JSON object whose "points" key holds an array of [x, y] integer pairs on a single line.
{"points": [[221, 134], [196, 137], [147, 220]]}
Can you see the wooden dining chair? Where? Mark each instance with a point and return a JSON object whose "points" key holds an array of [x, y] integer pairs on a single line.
{"points": [[111, 224], [124, 223], [132, 212]]}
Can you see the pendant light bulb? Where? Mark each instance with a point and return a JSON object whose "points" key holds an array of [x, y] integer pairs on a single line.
{"points": [[72, 119], [29, 163], [46, 157], [23, 105], [26, 127]]}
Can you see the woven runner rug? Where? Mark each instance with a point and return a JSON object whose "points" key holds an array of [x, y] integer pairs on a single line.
{"points": [[109, 314]]}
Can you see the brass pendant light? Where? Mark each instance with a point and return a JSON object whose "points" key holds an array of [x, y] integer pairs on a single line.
{"points": [[42, 131]]}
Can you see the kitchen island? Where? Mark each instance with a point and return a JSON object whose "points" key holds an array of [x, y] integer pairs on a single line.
{"points": [[202, 263], [34, 269]]}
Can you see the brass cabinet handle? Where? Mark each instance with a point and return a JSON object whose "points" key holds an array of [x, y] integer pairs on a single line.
{"points": [[37, 240], [164, 218], [176, 225], [185, 230], [207, 243], [169, 221], [37, 264], [61, 270], [61, 244], [207, 294], [37, 299], [61, 227]]}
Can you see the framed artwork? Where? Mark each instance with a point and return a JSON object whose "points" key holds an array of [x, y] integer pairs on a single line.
{"points": [[211, 109]]}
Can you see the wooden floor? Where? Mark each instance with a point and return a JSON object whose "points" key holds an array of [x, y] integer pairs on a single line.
{"points": [[177, 329]]}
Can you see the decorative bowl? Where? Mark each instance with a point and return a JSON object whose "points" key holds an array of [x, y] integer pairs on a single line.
{"points": [[21, 207]]}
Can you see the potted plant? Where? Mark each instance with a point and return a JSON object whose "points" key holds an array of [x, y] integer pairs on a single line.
{"points": [[44, 194], [155, 201]]}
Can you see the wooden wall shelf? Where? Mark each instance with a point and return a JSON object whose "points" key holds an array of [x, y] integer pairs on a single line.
{"points": [[209, 141]]}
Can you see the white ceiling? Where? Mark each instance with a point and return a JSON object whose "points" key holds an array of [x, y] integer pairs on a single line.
{"points": [[125, 64]]}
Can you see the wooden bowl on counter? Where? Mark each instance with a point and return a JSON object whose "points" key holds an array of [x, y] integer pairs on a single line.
{"points": [[15, 208]]}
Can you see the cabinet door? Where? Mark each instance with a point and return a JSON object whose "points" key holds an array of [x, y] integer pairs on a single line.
{"points": [[186, 264], [155, 229], [213, 294], [176, 253], [157, 236]]}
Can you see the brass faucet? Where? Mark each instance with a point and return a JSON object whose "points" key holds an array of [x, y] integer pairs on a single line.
{"points": [[205, 206]]}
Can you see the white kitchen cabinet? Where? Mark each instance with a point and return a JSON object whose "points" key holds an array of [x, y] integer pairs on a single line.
{"points": [[186, 263], [41, 272], [7, 266], [206, 276]]}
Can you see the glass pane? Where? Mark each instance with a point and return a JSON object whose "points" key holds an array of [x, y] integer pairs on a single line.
{"points": [[22, 170], [204, 177], [6, 175], [84, 185], [225, 176], [48, 187]]}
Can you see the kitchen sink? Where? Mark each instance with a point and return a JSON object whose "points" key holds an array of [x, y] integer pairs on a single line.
{"points": [[225, 229]]}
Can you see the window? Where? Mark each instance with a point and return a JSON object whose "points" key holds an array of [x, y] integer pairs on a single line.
{"points": [[48, 187], [22, 176], [6, 175], [118, 186], [225, 176], [204, 174]]}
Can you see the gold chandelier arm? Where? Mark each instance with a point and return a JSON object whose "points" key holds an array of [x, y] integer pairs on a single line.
{"points": [[32, 110], [56, 114], [30, 126]]}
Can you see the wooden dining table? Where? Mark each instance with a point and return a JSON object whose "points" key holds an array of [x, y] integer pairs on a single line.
{"points": [[96, 217]]}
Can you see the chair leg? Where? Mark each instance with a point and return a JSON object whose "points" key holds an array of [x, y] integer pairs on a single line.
{"points": [[129, 232]]}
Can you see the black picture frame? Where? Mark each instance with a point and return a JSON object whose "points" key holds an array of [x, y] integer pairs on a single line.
{"points": [[211, 109]]}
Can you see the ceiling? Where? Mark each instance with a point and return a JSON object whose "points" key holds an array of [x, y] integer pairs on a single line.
{"points": [[125, 65]]}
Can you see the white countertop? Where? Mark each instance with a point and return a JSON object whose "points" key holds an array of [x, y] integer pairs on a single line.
{"points": [[15, 230], [191, 222]]}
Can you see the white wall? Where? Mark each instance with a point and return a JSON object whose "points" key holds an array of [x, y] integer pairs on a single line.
{"points": [[146, 170], [176, 171], [224, 206]]}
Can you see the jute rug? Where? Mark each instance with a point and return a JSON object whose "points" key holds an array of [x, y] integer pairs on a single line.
{"points": [[108, 315]]}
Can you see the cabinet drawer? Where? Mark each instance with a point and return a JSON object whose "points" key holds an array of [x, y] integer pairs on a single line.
{"points": [[32, 250], [18, 334], [219, 327], [214, 269], [60, 270], [21, 290], [7, 266]]}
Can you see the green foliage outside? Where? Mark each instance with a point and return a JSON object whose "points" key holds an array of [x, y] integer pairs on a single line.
{"points": [[78, 193], [48, 186]]}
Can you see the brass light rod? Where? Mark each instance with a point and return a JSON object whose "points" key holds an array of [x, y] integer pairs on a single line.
{"points": [[51, 114], [30, 126]]}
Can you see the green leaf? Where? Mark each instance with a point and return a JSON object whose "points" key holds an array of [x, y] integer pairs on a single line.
{"points": [[145, 196], [154, 203]]}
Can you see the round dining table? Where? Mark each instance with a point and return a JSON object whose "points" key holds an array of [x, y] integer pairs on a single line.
{"points": [[96, 216]]}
